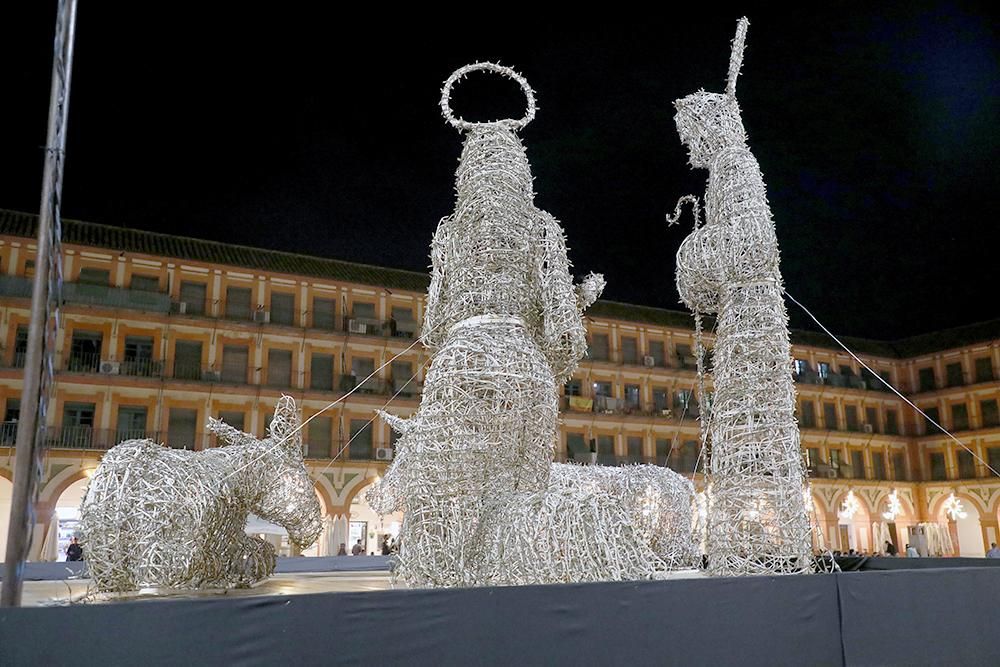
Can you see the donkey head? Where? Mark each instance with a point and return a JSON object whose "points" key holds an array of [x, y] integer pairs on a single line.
{"points": [[287, 496]]}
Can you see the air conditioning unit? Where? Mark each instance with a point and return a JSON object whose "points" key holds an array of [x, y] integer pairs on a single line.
{"points": [[869, 428], [262, 316], [111, 367], [211, 376], [648, 361], [357, 326], [182, 307], [666, 412], [383, 453]]}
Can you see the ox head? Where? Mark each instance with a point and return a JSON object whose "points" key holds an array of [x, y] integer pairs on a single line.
{"points": [[287, 495]]}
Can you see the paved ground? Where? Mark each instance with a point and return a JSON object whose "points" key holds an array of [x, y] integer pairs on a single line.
{"points": [[67, 591]]}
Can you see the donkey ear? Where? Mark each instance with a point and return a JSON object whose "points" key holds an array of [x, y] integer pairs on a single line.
{"points": [[285, 423], [736, 56], [398, 424]]}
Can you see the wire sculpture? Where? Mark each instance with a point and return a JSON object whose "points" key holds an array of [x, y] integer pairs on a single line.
{"points": [[484, 504], [159, 517], [757, 522]]}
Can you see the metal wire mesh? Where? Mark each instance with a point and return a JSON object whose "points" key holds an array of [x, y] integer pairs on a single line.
{"points": [[159, 517], [756, 518]]}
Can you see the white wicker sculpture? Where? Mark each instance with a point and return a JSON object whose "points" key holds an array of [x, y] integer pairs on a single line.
{"points": [[473, 470], [757, 521], [159, 517]]}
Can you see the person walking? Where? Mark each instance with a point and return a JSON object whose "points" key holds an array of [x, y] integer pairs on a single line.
{"points": [[994, 551], [911, 551], [357, 549]]}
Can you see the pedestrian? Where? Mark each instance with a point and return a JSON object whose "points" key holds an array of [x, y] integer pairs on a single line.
{"points": [[890, 549], [343, 550], [994, 551], [74, 551], [911, 551], [357, 549], [385, 545]]}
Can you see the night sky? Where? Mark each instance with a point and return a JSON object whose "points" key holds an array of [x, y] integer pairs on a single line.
{"points": [[876, 129]]}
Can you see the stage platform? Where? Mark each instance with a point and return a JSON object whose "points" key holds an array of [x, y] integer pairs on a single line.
{"points": [[911, 617]]}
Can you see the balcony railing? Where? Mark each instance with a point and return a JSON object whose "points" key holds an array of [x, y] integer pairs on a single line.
{"points": [[620, 359], [15, 286], [355, 451], [83, 362], [620, 406], [116, 297]]}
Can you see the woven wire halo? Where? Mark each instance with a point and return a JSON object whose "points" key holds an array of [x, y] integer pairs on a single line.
{"points": [[460, 123]]}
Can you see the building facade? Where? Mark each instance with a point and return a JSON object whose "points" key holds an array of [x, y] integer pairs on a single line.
{"points": [[161, 332]]}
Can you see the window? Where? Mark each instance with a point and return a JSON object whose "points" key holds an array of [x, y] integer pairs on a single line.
{"points": [[858, 464], [812, 457], [324, 313], [801, 366], [192, 298], [138, 359], [235, 418], [361, 368], [891, 422], [319, 441], [835, 459], [577, 448], [182, 425], [29, 268], [634, 445], [689, 457], [145, 283], [878, 465], [606, 450], [991, 416], [598, 347], [807, 416], [574, 387], [187, 360], [966, 465], [953, 374], [402, 377], [851, 417], [899, 466], [283, 308], [932, 414], [279, 368], [90, 276], [662, 451], [683, 398], [361, 440], [684, 356], [630, 350], [871, 418], [846, 371], [993, 457], [12, 412], [824, 369], [984, 369], [321, 372], [632, 396], [78, 425], [938, 471], [926, 377], [20, 346], [656, 352], [234, 363], [402, 324], [602, 389], [238, 303], [830, 416], [85, 351], [660, 399], [362, 310], [959, 417]]}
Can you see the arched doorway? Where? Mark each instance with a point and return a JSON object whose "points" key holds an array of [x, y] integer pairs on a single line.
{"points": [[67, 515], [370, 527], [853, 525], [966, 531], [6, 495]]}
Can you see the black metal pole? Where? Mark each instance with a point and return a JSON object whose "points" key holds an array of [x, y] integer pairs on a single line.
{"points": [[31, 422]]}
